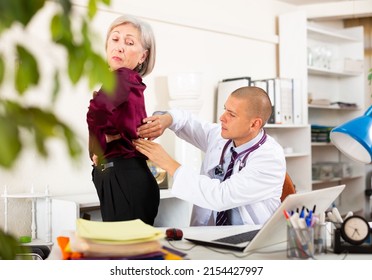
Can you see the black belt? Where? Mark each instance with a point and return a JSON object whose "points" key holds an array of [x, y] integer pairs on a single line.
{"points": [[104, 166]]}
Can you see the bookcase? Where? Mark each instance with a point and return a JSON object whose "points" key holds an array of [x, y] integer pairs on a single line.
{"points": [[328, 60]]}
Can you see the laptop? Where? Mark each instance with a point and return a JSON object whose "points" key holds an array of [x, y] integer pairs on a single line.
{"points": [[274, 231]]}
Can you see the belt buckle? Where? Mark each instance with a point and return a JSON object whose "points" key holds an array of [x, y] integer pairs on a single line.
{"points": [[105, 166]]}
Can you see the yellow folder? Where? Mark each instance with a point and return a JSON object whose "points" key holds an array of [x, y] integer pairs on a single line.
{"points": [[117, 232]]}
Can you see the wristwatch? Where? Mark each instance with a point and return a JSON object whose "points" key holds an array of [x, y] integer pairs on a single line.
{"points": [[159, 113], [355, 230]]}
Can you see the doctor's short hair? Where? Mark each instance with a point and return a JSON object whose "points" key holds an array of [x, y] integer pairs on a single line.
{"points": [[258, 102], [147, 40]]}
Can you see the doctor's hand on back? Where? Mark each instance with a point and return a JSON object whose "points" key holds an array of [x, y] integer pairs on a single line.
{"points": [[156, 153], [154, 126]]}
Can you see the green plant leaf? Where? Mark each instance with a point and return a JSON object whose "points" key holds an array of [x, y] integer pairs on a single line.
{"points": [[56, 27], [74, 147], [76, 62], [18, 11], [2, 69], [60, 28], [11, 146], [92, 8], [27, 72], [41, 123], [11, 249], [56, 86], [66, 5], [99, 73]]}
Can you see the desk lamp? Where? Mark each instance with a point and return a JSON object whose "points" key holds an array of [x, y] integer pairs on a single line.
{"points": [[354, 138]]}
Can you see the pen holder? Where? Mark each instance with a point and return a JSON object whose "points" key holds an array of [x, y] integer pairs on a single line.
{"points": [[320, 238], [300, 243]]}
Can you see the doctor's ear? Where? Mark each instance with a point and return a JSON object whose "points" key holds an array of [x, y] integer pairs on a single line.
{"points": [[257, 123]]}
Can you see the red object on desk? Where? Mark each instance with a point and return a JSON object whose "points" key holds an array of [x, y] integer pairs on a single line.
{"points": [[174, 234]]}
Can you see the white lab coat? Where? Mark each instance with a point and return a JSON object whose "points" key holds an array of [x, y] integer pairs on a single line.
{"points": [[254, 191]]}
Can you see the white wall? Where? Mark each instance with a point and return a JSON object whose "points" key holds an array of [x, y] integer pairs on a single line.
{"points": [[221, 39]]}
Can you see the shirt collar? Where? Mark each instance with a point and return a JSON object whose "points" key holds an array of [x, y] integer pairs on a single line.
{"points": [[249, 143]]}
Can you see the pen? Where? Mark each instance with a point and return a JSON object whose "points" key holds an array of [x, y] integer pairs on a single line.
{"points": [[307, 238], [314, 221], [302, 214], [286, 215], [349, 214], [337, 215], [309, 218], [293, 251], [295, 242], [322, 218], [331, 217], [301, 242]]}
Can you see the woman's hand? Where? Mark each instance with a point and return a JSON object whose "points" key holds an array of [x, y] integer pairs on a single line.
{"points": [[94, 159], [156, 153], [154, 126]]}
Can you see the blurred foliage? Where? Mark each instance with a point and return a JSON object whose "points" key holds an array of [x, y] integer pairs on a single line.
{"points": [[82, 62], [10, 248], [42, 123]]}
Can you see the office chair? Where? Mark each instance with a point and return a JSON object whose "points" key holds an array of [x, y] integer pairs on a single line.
{"points": [[288, 187]]}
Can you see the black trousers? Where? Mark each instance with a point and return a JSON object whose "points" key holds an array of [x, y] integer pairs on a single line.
{"points": [[127, 190]]}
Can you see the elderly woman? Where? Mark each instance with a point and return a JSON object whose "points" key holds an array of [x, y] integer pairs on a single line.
{"points": [[125, 185]]}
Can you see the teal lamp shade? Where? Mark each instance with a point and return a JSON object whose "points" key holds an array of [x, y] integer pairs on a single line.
{"points": [[354, 138]]}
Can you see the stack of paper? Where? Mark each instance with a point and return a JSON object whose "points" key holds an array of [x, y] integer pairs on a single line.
{"points": [[115, 240]]}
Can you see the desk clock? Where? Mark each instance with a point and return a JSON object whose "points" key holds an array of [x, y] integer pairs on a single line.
{"points": [[354, 236]]}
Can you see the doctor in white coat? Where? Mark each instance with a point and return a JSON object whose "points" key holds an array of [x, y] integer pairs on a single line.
{"points": [[252, 193]]}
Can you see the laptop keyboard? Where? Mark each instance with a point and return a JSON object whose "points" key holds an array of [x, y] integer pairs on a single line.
{"points": [[238, 238]]}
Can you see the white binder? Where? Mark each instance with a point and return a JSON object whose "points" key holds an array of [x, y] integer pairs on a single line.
{"points": [[297, 101], [286, 97], [225, 88], [270, 92]]}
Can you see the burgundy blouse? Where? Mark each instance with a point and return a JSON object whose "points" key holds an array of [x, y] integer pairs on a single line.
{"points": [[118, 113]]}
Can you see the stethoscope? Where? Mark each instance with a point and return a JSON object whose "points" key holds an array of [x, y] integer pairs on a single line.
{"points": [[219, 168]]}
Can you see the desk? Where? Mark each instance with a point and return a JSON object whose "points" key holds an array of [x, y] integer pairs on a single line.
{"points": [[66, 209], [275, 252]]}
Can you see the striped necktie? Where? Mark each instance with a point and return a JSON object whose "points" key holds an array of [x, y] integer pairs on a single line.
{"points": [[222, 216]]}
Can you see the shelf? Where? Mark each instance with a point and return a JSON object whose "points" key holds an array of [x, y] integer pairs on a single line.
{"points": [[25, 195], [293, 155], [331, 73], [38, 242], [321, 144], [333, 107], [336, 179], [330, 35], [35, 214]]}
